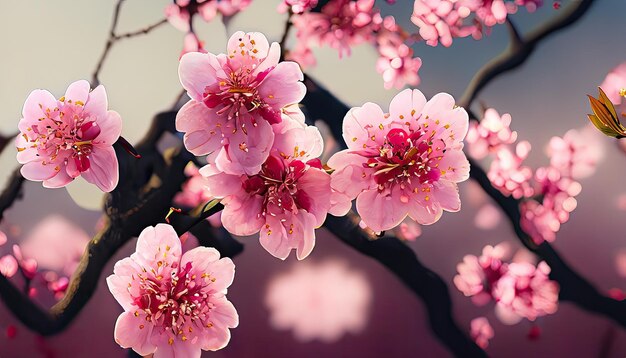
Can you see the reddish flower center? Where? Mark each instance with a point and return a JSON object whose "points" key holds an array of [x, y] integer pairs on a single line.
{"points": [[278, 184], [177, 303], [238, 95], [406, 157], [64, 131]]}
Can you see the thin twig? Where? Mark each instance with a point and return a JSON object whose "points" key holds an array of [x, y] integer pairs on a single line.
{"points": [[143, 31], [520, 49]]}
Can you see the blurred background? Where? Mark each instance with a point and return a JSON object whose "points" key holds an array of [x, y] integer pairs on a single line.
{"points": [[51, 43]]}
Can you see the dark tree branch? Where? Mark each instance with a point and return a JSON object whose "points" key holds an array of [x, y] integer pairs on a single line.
{"points": [[520, 49], [11, 193], [5, 140], [139, 32], [426, 284]]}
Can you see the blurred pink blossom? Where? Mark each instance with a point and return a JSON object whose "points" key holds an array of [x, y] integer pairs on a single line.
{"points": [[407, 162], [174, 304], [180, 13], [487, 217], [620, 262], [192, 43], [297, 6], [8, 266], [525, 291], [73, 136], [478, 275], [236, 99], [490, 134], [398, 65], [56, 244], [341, 24], [27, 265], [408, 230], [320, 301], [481, 331], [285, 201], [507, 172], [3, 238], [577, 153], [614, 83]]}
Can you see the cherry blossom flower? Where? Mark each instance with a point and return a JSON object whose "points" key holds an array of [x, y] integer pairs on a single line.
{"points": [[481, 331], [407, 162], [192, 43], [8, 266], [490, 134], [174, 304], [179, 13], [320, 301], [27, 265], [398, 66], [235, 100], [340, 24], [297, 6], [285, 201], [441, 20], [73, 136], [525, 291], [542, 220], [478, 275], [577, 153], [507, 173], [487, 217]]}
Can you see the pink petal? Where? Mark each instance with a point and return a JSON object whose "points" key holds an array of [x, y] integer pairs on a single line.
{"points": [[37, 171], [59, 180], [77, 92], [159, 243], [273, 56], [242, 46], [110, 129], [202, 127], [241, 216], [97, 104], [282, 85], [8, 266], [224, 316], [197, 71], [447, 193], [406, 105], [103, 170], [207, 260], [303, 143], [221, 185], [316, 184], [380, 211], [35, 106], [25, 153], [128, 333], [248, 152], [360, 123], [455, 165]]}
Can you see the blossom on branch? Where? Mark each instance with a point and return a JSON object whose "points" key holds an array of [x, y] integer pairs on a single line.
{"points": [[286, 200], [73, 136], [405, 162], [181, 12], [238, 100], [174, 304], [490, 134]]}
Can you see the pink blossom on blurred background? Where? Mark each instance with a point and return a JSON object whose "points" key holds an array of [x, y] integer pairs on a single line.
{"points": [[56, 244], [180, 13], [408, 230], [487, 217], [62, 139], [507, 172], [477, 275], [614, 83], [525, 291], [235, 100], [319, 301], [481, 331], [577, 153], [620, 262], [297, 6], [490, 134], [174, 304], [407, 162], [398, 65]]}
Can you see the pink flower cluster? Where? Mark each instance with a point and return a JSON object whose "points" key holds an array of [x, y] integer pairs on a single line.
{"points": [[180, 14], [519, 289], [403, 163], [440, 21], [548, 193], [174, 304], [262, 157], [297, 6], [73, 136], [342, 24]]}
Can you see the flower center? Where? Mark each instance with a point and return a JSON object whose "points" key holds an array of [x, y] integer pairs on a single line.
{"points": [[278, 184], [175, 304], [405, 158]]}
